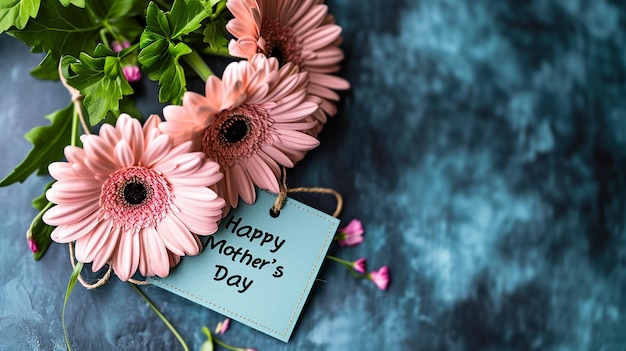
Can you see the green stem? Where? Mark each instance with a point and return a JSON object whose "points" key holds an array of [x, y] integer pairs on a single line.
{"points": [[208, 334], [39, 215], [68, 291], [348, 265], [75, 122], [225, 345], [337, 259], [221, 6], [163, 318], [221, 51], [163, 5], [198, 65], [110, 30]]}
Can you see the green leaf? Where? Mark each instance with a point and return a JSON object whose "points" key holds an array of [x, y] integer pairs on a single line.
{"points": [[215, 35], [60, 30], [107, 9], [77, 3], [40, 201], [99, 79], [16, 13], [68, 291], [48, 67], [48, 143], [208, 344], [161, 46], [41, 234], [186, 16]]}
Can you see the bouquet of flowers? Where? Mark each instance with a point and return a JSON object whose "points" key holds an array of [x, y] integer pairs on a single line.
{"points": [[135, 197]]}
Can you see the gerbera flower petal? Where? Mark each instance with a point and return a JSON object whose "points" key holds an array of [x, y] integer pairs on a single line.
{"points": [[124, 154], [61, 170], [177, 237], [154, 258], [88, 246], [240, 177], [120, 198], [260, 102], [297, 140], [156, 150], [69, 232], [129, 127], [62, 214], [126, 258], [279, 156], [106, 252], [262, 175], [302, 33]]}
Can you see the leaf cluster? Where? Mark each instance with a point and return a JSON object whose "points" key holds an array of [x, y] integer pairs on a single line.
{"points": [[76, 37]]}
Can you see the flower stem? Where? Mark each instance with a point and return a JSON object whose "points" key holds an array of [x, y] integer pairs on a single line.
{"points": [[337, 259], [39, 215], [225, 345], [75, 122], [208, 334], [68, 291], [348, 265], [198, 65], [221, 51], [163, 318], [221, 6]]}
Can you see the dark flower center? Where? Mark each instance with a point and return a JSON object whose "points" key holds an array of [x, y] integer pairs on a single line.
{"points": [[237, 134], [281, 43], [234, 130], [277, 52], [135, 193]]}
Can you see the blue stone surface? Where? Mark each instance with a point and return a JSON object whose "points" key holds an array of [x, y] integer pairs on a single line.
{"points": [[483, 145]]}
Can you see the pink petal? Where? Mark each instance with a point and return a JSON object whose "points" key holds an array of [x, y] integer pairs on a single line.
{"points": [[154, 253], [126, 258], [156, 150], [261, 174], [177, 237], [297, 141], [63, 214], [321, 37], [124, 154], [132, 132], [88, 246], [61, 170], [241, 181], [105, 254], [278, 156], [73, 231]]}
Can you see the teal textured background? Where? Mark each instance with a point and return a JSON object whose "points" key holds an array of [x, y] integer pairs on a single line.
{"points": [[483, 145]]}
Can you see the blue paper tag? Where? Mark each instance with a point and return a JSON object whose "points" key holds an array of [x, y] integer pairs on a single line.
{"points": [[257, 269]]}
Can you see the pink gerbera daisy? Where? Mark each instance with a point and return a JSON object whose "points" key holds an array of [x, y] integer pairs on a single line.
{"points": [[301, 32], [251, 122], [131, 199]]}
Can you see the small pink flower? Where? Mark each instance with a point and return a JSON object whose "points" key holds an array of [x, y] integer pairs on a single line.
{"points": [[249, 349], [359, 265], [32, 245], [352, 234], [380, 277], [222, 327], [117, 47], [131, 73]]}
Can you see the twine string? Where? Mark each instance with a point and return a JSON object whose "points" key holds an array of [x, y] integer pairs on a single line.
{"points": [[101, 281], [77, 99], [282, 194]]}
